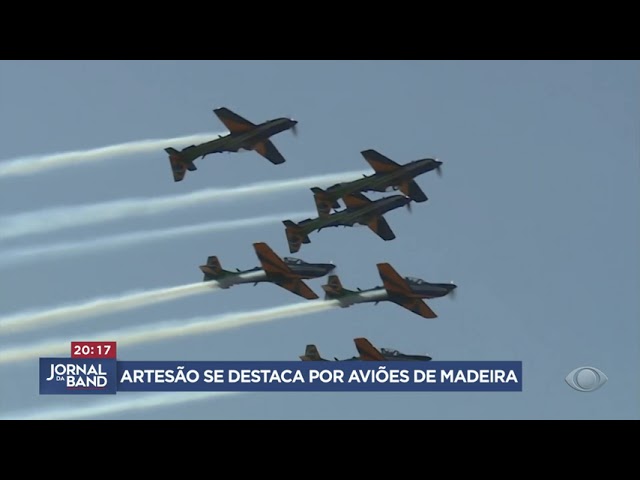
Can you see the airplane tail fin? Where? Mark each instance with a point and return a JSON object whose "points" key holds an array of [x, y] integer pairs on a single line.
{"points": [[324, 201], [367, 351], [179, 164], [333, 288], [296, 235], [311, 354], [212, 270]]}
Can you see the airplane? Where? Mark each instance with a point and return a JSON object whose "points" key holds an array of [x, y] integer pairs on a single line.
{"points": [[388, 175], [359, 210], [367, 353], [243, 135], [287, 273], [406, 292]]}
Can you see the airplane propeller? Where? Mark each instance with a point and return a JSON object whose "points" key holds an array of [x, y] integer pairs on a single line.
{"points": [[452, 293], [439, 170], [294, 130], [409, 208], [335, 268]]}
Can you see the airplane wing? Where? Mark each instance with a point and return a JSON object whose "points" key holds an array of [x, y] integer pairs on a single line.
{"points": [[234, 122], [379, 162], [268, 150], [280, 273], [298, 287], [393, 282], [380, 227], [417, 306], [413, 191], [355, 200], [367, 351], [399, 288]]}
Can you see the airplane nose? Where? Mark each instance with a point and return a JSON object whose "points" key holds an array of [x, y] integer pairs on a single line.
{"points": [[330, 267]]}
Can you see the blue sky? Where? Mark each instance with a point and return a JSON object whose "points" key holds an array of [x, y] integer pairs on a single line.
{"points": [[535, 218]]}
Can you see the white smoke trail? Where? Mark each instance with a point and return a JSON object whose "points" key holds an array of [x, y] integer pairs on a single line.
{"points": [[166, 330], [113, 406], [40, 253], [57, 218], [39, 163], [100, 306]]}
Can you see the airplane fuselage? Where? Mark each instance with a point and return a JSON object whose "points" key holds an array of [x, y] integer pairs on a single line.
{"points": [[233, 142], [383, 181], [358, 215], [255, 275], [351, 297], [228, 279], [432, 290], [407, 358], [311, 270], [398, 357], [380, 294]]}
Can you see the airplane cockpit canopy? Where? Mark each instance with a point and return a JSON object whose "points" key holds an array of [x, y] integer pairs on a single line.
{"points": [[390, 352], [417, 281], [293, 261]]}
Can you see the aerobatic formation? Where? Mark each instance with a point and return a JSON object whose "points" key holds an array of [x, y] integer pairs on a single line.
{"points": [[290, 273]]}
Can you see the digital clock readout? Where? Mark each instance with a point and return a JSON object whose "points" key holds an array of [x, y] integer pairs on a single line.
{"points": [[93, 349]]}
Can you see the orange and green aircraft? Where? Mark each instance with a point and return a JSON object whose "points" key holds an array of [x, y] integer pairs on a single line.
{"points": [[388, 175], [287, 273], [367, 352], [360, 210], [243, 135], [407, 292]]}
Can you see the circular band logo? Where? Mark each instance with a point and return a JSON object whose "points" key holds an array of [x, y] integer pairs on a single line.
{"points": [[586, 379]]}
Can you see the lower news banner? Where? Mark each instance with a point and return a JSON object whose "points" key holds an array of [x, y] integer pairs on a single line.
{"points": [[69, 376]]}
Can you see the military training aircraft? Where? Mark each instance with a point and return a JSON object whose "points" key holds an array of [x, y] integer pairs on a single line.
{"points": [[243, 135], [359, 210], [388, 175], [288, 273], [407, 292], [367, 353]]}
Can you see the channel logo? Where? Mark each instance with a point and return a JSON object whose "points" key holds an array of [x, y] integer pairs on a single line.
{"points": [[75, 376]]}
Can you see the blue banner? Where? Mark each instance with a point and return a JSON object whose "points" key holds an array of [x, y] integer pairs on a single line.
{"points": [[73, 376], [108, 376], [354, 376]]}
